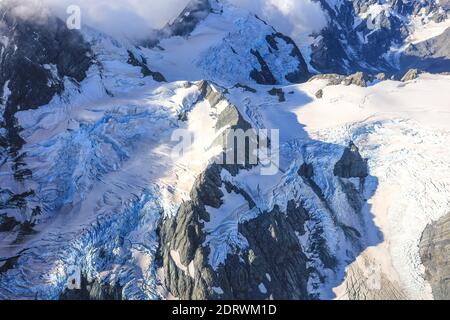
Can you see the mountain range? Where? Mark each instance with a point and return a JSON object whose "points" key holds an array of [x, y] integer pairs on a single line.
{"points": [[357, 207]]}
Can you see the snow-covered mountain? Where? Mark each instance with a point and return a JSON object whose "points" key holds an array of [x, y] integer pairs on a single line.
{"points": [[89, 180], [382, 36]]}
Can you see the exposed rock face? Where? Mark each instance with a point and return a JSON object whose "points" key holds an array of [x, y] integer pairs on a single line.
{"points": [[435, 253], [357, 38], [265, 76], [8, 264], [7, 223], [359, 79], [302, 73], [146, 72], [181, 239], [245, 88], [351, 165], [275, 261], [185, 23], [278, 93]]}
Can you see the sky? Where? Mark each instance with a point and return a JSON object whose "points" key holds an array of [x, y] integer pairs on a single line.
{"points": [[133, 18], [291, 17]]}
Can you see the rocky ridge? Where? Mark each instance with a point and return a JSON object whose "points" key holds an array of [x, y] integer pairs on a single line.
{"points": [[435, 250], [274, 262], [364, 36]]}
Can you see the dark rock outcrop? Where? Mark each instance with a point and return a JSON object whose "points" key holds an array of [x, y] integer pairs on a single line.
{"points": [[351, 165], [245, 88], [184, 235], [7, 223], [274, 262], [435, 254], [432, 55], [146, 72], [189, 18], [319, 94], [7, 264], [302, 73], [275, 266], [278, 92], [264, 75]]}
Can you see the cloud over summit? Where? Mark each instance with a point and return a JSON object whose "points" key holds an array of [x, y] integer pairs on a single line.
{"points": [[135, 18]]}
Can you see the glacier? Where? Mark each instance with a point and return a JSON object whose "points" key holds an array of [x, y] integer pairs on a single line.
{"points": [[105, 178]]}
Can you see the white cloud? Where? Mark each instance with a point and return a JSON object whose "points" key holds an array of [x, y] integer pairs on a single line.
{"points": [[130, 18], [291, 17], [135, 18]]}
